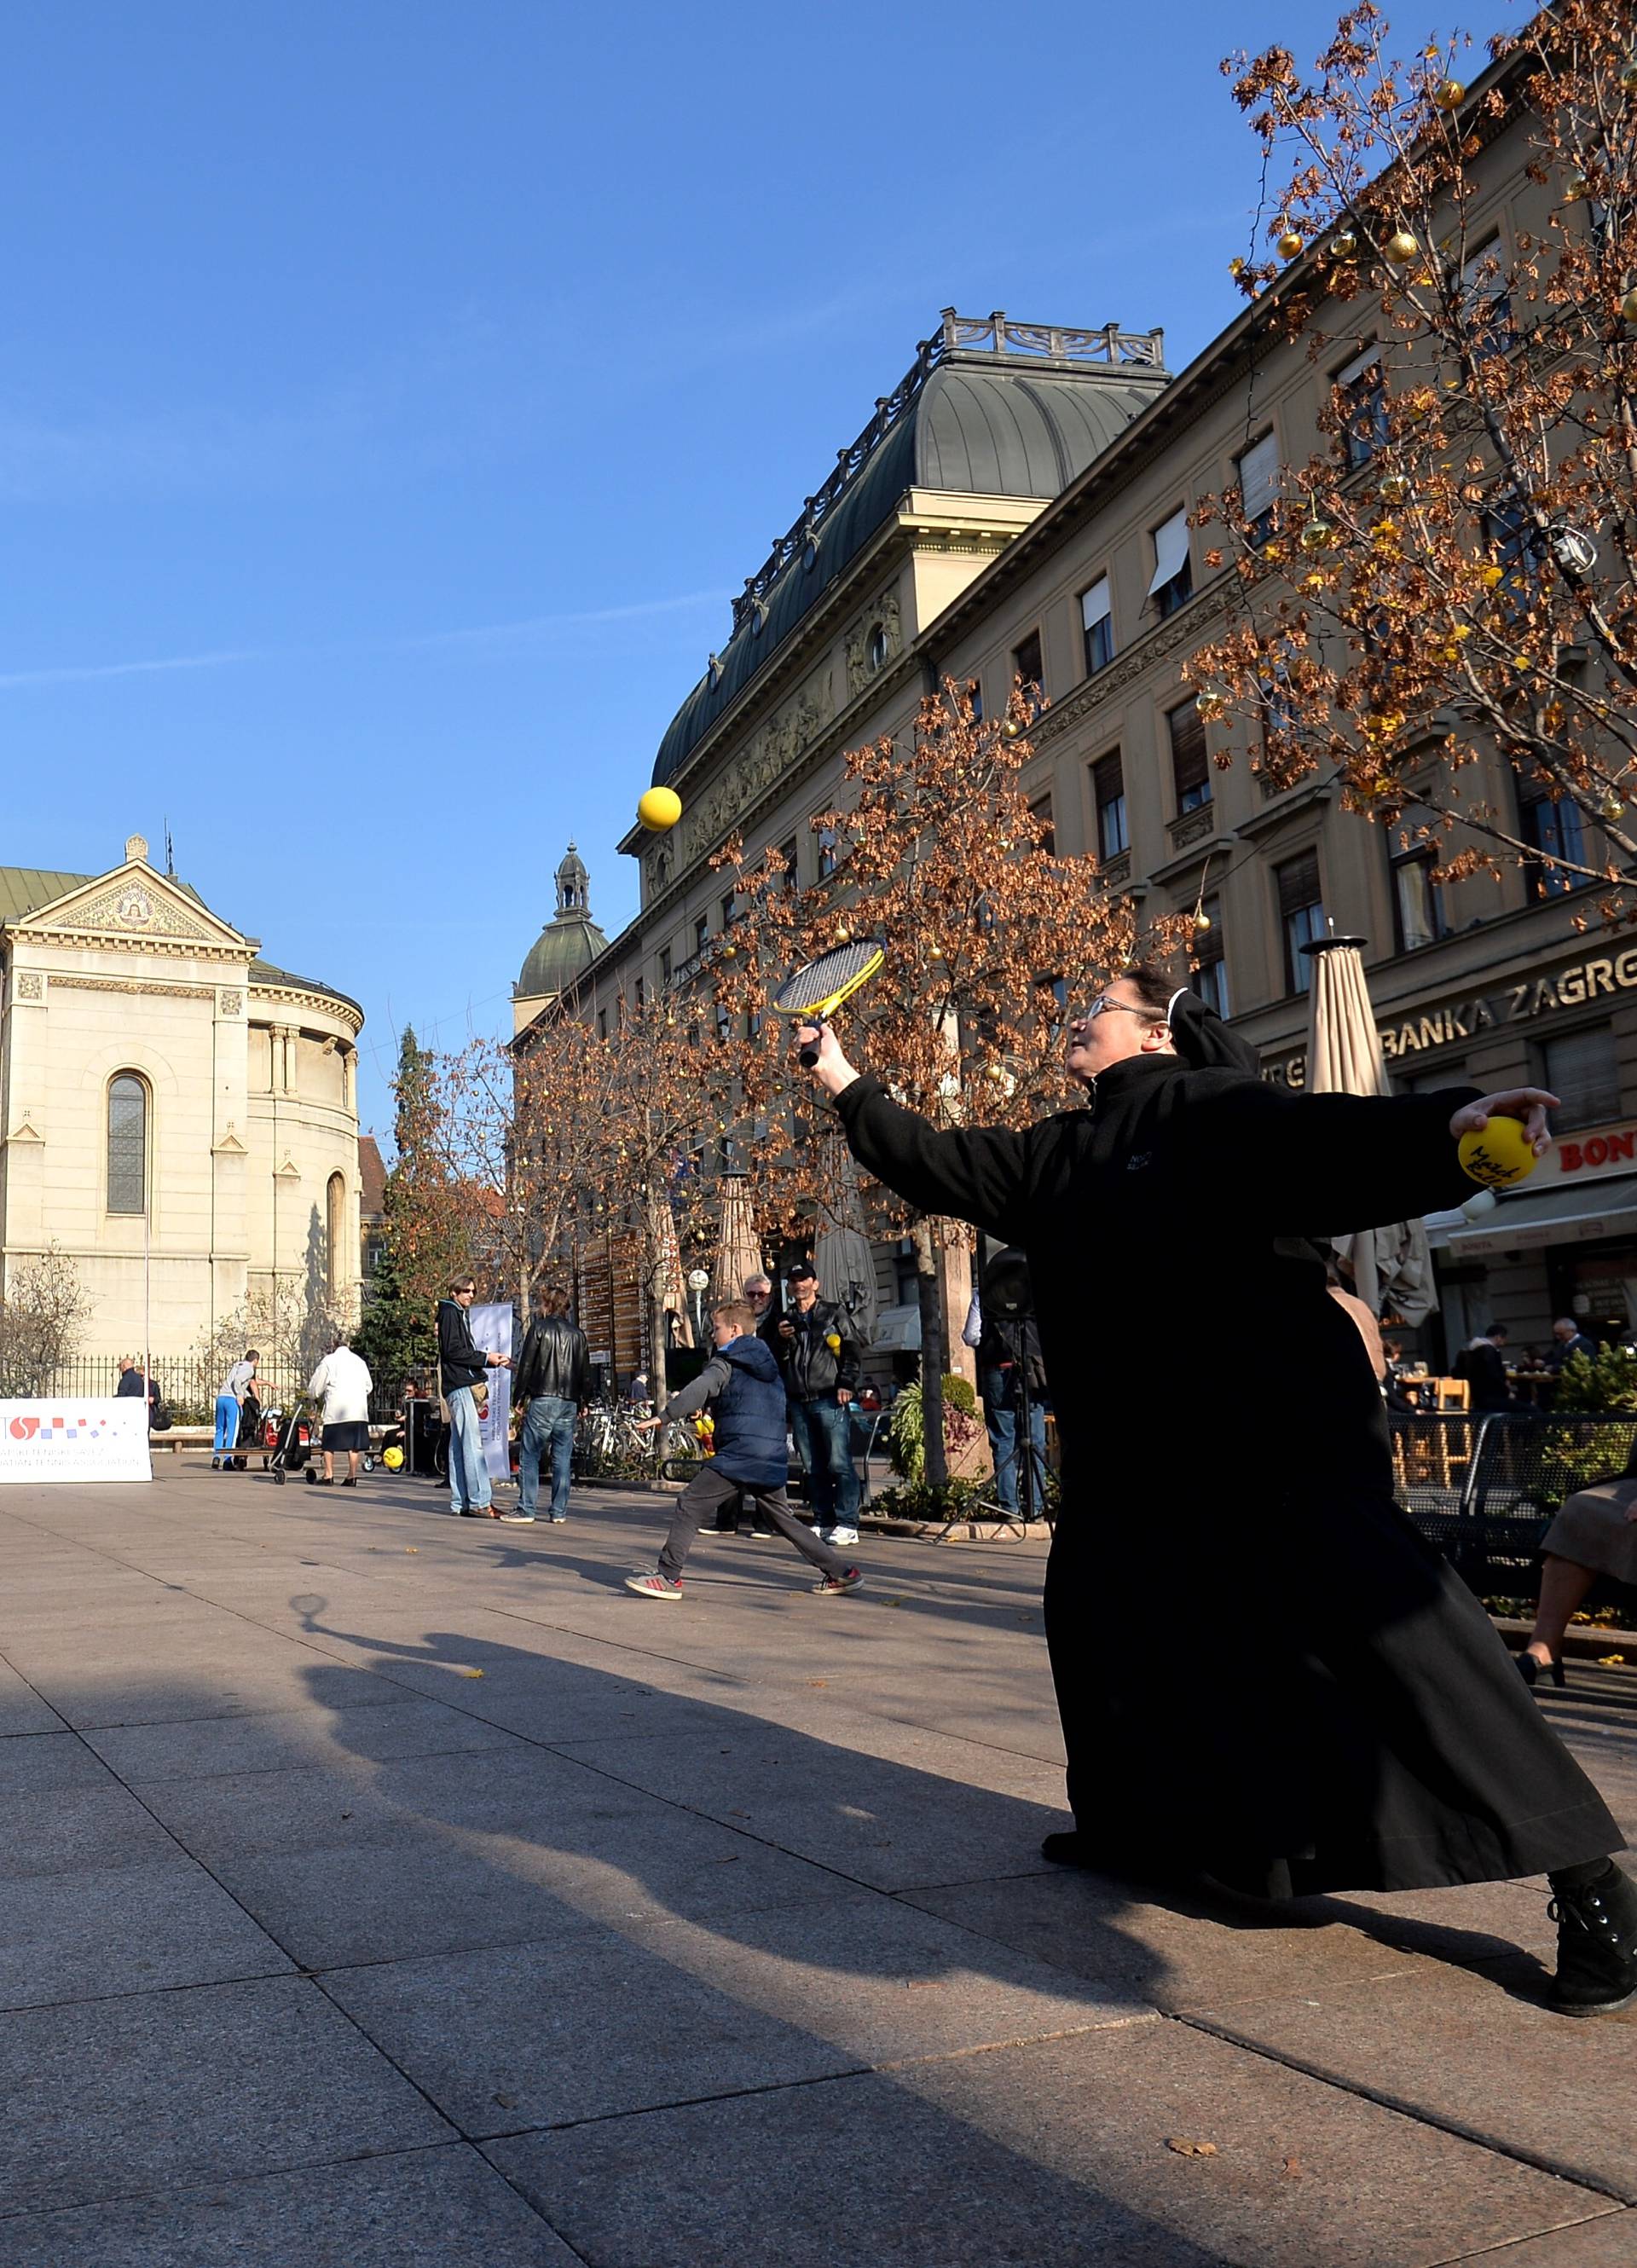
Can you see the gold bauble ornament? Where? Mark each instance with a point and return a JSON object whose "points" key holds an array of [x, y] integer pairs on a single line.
{"points": [[1449, 94], [1395, 488], [1628, 76], [659, 809], [1343, 246], [1611, 807], [1317, 535], [1290, 244], [1628, 307], [1202, 922], [1400, 248], [1209, 701], [1574, 189]]}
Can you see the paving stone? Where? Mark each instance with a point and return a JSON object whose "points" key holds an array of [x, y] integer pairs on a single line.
{"points": [[435, 2208], [1608, 2241], [30, 1762], [113, 2097], [1462, 2048], [59, 1830], [1054, 2153], [94, 1933], [21, 1708], [289, 1738]]}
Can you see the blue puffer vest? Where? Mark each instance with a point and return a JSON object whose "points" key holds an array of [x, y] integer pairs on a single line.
{"points": [[749, 1414]]}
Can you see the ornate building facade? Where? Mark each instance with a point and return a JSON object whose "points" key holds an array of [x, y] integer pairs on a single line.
{"points": [[178, 1114]]}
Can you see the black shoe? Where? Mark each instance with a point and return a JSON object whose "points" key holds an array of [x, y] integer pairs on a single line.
{"points": [[1529, 1669], [348, 1484], [1596, 1973]]}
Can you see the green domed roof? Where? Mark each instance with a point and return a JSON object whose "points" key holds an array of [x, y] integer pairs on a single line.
{"points": [[570, 940]]}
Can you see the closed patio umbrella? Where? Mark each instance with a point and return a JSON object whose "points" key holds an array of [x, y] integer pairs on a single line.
{"points": [[842, 1256], [738, 1247], [667, 1287], [1391, 1266]]}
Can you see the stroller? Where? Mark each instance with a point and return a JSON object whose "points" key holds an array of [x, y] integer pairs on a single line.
{"points": [[290, 1434]]}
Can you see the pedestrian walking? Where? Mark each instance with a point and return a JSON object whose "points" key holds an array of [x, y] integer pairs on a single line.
{"points": [[342, 1384], [1346, 1717], [550, 1384], [230, 1410], [821, 1361], [462, 1368], [1004, 1349], [743, 1385]]}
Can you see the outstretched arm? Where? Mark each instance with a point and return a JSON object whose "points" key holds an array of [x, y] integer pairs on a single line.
{"points": [[978, 1174]]}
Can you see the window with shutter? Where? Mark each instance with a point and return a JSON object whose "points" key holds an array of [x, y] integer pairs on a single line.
{"points": [[1210, 964], [1098, 617], [1258, 482], [1190, 764], [1028, 665], [1172, 584], [1555, 830], [1108, 788], [1581, 1069], [1363, 387], [1301, 915], [1040, 809]]}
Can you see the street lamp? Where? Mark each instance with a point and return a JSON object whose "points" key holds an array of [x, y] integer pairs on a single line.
{"points": [[698, 1281]]}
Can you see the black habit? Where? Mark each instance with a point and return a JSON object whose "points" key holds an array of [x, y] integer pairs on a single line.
{"points": [[1262, 1668]]}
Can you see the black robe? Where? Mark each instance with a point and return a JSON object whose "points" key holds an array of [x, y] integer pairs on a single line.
{"points": [[1262, 1668]]}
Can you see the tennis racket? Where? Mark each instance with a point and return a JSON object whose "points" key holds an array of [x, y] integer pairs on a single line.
{"points": [[814, 993]]}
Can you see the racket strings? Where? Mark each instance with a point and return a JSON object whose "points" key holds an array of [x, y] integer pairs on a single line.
{"points": [[822, 979]]}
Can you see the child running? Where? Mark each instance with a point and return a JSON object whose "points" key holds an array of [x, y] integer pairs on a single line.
{"points": [[742, 1384]]}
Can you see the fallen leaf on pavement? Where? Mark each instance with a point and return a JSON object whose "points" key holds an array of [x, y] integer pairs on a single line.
{"points": [[1610, 1661], [410, 1548], [818, 1681], [506, 2102], [1187, 2149], [471, 1673], [1293, 2168]]}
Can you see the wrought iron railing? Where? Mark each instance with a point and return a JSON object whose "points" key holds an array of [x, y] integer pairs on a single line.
{"points": [[189, 1385], [1484, 1489]]}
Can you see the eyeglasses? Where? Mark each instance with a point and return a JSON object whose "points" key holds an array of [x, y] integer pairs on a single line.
{"points": [[1124, 1008], [467, 1292]]}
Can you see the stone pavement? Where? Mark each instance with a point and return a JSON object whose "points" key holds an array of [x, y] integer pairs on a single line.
{"points": [[382, 1889]]}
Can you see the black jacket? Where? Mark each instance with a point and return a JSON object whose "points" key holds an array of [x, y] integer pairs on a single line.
{"points": [[459, 1361], [1484, 1367], [555, 1361], [810, 1368], [741, 1384]]}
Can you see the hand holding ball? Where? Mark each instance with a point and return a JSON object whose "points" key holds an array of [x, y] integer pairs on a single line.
{"points": [[659, 809], [1500, 1155]]}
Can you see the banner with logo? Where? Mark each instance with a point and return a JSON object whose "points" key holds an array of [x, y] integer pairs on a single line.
{"points": [[81, 1440], [491, 1329]]}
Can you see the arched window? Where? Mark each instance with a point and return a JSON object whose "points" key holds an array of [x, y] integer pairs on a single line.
{"points": [[335, 1237], [127, 1143], [877, 648]]}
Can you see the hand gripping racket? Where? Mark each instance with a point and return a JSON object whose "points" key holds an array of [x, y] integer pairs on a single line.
{"points": [[814, 993]]}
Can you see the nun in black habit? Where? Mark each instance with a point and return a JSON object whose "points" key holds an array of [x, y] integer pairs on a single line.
{"points": [[1331, 1708]]}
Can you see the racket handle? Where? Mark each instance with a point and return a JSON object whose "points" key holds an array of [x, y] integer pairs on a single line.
{"points": [[809, 1055]]}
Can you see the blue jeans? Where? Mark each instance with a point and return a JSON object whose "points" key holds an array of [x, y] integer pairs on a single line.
{"points": [[469, 1468], [820, 1430], [1000, 1415], [226, 1424], [549, 1421]]}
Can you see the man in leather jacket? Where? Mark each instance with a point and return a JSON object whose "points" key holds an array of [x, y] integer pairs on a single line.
{"points": [[821, 1360], [551, 1377]]}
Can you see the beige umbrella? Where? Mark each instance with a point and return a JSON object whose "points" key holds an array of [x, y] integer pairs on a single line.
{"points": [[738, 1247], [842, 1256], [1391, 1266], [667, 1287]]}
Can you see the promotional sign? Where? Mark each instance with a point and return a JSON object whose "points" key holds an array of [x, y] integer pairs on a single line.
{"points": [[81, 1440], [491, 1329]]}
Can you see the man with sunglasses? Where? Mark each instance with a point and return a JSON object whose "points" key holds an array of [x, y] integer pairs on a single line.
{"points": [[462, 1365]]}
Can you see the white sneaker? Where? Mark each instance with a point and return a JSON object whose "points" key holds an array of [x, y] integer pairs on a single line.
{"points": [[840, 1535]]}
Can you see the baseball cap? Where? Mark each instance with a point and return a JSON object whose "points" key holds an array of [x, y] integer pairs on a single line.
{"points": [[803, 1271]]}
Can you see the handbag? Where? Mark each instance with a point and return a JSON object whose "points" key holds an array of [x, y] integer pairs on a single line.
{"points": [[160, 1418]]}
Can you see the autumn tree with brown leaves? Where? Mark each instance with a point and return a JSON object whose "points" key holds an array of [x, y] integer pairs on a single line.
{"points": [[1454, 580]]}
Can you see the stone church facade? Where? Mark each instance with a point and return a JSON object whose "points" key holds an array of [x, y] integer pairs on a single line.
{"points": [[166, 1092]]}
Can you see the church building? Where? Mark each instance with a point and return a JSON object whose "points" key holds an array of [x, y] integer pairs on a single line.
{"points": [[173, 1108]]}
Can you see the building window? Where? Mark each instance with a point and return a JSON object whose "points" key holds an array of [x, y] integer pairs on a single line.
{"points": [[665, 964], [335, 1236], [701, 932], [728, 914], [1210, 966], [127, 1143], [1486, 300], [642, 992], [790, 852], [1029, 669], [1362, 384], [1039, 811], [602, 1023], [975, 695], [877, 649], [1554, 829], [1581, 1069], [1301, 915], [1417, 902], [1510, 535], [1173, 582], [1259, 485], [1190, 764], [1107, 789], [828, 851], [1097, 621]]}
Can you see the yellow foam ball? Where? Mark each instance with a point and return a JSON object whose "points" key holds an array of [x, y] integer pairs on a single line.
{"points": [[1500, 1156], [392, 1459], [660, 809]]}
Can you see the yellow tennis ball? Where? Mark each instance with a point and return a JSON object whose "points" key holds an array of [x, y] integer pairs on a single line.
{"points": [[1500, 1155], [660, 809]]}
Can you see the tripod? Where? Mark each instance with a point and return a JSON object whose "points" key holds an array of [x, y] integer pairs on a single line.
{"points": [[1008, 1298]]}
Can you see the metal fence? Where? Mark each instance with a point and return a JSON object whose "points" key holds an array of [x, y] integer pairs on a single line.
{"points": [[1484, 1489], [189, 1385]]}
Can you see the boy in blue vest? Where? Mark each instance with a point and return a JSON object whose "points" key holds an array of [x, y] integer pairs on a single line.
{"points": [[746, 1391]]}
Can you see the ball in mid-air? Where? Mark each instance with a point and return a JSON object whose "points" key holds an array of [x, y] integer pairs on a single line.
{"points": [[660, 809], [1500, 1155]]}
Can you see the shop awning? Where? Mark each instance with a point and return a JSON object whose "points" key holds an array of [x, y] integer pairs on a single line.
{"points": [[1574, 1216]]}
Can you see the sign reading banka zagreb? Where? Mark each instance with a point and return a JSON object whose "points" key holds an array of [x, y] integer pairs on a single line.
{"points": [[81, 1440]]}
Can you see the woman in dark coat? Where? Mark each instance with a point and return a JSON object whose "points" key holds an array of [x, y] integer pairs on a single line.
{"points": [[1333, 1710]]}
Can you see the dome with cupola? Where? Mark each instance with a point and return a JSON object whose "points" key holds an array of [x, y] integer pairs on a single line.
{"points": [[566, 948]]}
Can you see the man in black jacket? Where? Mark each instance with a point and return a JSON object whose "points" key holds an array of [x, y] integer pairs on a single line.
{"points": [[462, 1365], [551, 1376], [821, 1360], [1483, 1366]]}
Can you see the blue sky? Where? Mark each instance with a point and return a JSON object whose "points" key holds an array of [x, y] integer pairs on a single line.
{"points": [[392, 394]]}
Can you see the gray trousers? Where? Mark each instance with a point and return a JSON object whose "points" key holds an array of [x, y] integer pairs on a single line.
{"points": [[709, 1491]]}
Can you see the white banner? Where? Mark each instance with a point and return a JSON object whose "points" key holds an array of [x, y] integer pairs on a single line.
{"points": [[491, 1329], [75, 1440]]}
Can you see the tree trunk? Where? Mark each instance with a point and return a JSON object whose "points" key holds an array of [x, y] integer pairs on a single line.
{"points": [[930, 1292], [656, 1352]]}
